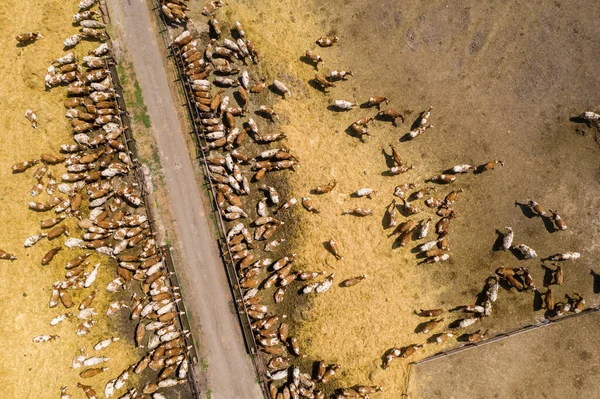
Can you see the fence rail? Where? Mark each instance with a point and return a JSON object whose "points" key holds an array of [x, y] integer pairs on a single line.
{"points": [[544, 323], [499, 337], [195, 115], [168, 268]]}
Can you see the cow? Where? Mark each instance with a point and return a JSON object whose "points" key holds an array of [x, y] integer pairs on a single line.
{"points": [[72, 41], [560, 224], [45, 338], [491, 165], [29, 37], [23, 166], [282, 88], [327, 41], [353, 281], [31, 117], [430, 325], [50, 255], [390, 114]]}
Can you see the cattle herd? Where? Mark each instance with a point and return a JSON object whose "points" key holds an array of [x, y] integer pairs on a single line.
{"points": [[98, 190], [97, 187], [232, 157]]}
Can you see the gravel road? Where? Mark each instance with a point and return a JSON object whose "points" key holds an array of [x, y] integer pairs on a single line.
{"points": [[207, 295]]}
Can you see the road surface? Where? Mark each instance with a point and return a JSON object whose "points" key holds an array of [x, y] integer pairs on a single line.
{"points": [[207, 297]]}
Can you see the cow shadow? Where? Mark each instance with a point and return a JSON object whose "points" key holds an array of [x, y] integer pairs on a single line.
{"points": [[212, 32], [527, 212], [549, 314], [310, 62], [538, 301], [479, 169], [421, 326], [433, 338], [455, 324], [383, 118], [238, 99], [388, 173], [581, 120], [463, 338], [499, 241], [350, 132], [417, 122], [275, 91], [367, 104], [25, 44], [415, 250], [548, 275], [596, 285], [328, 248], [315, 85], [549, 225], [315, 370], [333, 108], [235, 34], [517, 253], [262, 114], [505, 284], [482, 295], [403, 211], [549, 257], [385, 220], [405, 138], [396, 243], [389, 160]]}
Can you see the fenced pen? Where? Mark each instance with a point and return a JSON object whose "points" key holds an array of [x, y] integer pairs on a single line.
{"points": [[168, 266], [499, 337], [195, 116]]}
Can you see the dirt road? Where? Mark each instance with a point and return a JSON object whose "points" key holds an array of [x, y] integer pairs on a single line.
{"points": [[207, 295]]}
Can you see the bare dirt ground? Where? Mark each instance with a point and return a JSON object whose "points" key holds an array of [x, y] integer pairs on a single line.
{"points": [[565, 352], [504, 80], [206, 292]]}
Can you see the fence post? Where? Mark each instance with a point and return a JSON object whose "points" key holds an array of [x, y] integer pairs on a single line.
{"points": [[194, 115], [168, 267]]}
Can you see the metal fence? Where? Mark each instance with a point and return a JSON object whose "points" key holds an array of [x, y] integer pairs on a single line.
{"points": [[168, 268], [502, 336], [195, 115], [499, 337]]}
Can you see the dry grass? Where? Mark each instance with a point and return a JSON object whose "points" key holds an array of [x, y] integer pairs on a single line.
{"points": [[39, 370], [355, 326]]}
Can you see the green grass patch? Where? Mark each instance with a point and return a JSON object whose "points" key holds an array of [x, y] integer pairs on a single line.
{"points": [[203, 364], [208, 394], [122, 74], [140, 111], [135, 102]]}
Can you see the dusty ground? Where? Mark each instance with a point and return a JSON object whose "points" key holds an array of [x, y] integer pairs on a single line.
{"points": [[504, 81], [565, 351], [39, 370]]}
